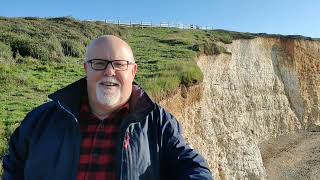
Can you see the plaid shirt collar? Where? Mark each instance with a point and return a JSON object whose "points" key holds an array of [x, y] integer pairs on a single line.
{"points": [[86, 113]]}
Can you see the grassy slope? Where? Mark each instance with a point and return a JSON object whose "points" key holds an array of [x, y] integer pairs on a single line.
{"points": [[39, 56]]}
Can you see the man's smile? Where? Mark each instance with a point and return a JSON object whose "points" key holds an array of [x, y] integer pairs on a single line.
{"points": [[109, 84]]}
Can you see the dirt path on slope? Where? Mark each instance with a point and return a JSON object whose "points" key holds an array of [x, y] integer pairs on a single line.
{"points": [[293, 156]]}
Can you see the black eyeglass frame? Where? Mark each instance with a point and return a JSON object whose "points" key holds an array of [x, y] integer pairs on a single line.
{"points": [[109, 62]]}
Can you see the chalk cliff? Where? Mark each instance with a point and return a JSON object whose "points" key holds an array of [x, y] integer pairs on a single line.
{"points": [[264, 88]]}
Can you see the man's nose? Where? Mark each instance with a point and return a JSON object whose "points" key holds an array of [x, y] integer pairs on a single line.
{"points": [[109, 71]]}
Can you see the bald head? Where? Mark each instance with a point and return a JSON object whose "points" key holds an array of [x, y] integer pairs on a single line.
{"points": [[109, 88], [109, 47]]}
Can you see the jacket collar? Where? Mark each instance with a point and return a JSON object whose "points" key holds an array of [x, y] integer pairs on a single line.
{"points": [[140, 103], [70, 98]]}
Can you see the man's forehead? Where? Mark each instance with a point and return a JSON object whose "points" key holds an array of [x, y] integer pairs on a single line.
{"points": [[109, 48]]}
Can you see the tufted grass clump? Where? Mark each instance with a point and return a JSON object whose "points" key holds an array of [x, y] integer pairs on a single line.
{"points": [[5, 54], [72, 48]]}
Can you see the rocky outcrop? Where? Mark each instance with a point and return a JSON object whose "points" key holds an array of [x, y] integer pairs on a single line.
{"points": [[264, 88]]}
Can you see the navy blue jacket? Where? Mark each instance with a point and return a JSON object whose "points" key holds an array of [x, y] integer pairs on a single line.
{"points": [[47, 143]]}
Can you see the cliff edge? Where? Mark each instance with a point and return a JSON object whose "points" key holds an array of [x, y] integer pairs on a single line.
{"points": [[263, 88]]}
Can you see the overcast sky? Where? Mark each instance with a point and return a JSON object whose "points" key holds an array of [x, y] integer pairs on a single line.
{"points": [[287, 17]]}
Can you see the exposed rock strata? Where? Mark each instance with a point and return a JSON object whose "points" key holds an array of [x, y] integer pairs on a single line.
{"points": [[266, 87]]}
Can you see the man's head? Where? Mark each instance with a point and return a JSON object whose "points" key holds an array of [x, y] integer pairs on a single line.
{"points": [[111, 87]]}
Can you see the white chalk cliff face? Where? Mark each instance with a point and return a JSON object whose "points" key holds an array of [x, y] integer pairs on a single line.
{"points": [[265, 88]]}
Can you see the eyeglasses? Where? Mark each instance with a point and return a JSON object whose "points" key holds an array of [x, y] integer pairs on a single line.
{"points": [[101, 64]]}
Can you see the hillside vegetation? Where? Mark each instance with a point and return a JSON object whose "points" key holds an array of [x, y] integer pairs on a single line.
{"points": [[39, 56]]}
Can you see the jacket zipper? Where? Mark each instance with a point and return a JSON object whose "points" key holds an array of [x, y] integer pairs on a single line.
{"points": [[66, 110], [77, 124], [126, 143]]}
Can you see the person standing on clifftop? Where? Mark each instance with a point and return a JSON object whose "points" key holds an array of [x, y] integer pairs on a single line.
{"points": [[102, 126]]}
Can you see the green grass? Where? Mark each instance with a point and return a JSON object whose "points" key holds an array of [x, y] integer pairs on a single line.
{"points": [[27, 85], [40, 56], [164, 63]]}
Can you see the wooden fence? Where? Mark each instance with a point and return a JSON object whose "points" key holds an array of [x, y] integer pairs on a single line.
{"points": [[144, 24]]}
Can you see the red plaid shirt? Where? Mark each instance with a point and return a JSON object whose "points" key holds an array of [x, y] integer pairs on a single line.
{"points": [[98, 146]]}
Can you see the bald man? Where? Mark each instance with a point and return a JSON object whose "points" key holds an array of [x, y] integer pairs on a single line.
{"points": [[102, 127]]}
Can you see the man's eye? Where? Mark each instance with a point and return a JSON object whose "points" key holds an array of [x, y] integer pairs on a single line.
{"points": [[100, 64], [119, 64]]}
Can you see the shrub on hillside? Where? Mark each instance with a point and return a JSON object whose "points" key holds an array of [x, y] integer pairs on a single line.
{"points": [[159, 87], [36, 47], [208, 48], [21, 44], [72, 48], [187, 72], [225, 38], [211, 49], [176, 41], [49, 49], [64, 19], [31, 18], [190, 75], [5, 53]]}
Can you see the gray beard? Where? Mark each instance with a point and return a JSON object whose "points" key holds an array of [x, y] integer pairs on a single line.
{"points": [[105, 98]]}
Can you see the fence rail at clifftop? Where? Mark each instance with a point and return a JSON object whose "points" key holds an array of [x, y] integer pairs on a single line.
{"points": [[150, 24]]}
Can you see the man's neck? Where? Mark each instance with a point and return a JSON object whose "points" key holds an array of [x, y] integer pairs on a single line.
{"points": [[103, 111], [101, 116]]}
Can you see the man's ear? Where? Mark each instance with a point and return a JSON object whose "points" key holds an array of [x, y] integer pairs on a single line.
{"points": [[134, 69], [85, 67]]}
